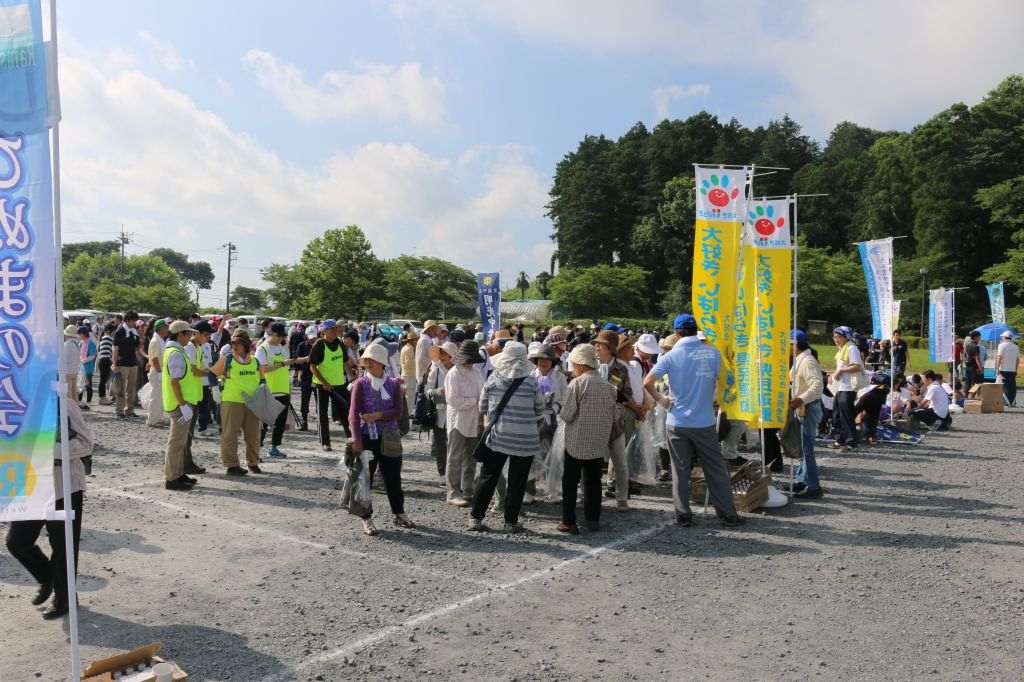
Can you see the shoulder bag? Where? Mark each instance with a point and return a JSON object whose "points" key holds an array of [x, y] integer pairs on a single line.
{"points": [[482, 450]]}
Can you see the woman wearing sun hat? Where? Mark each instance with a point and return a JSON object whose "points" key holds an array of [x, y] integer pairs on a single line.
{"points": [[374, 409], [462, 387], [434, 388], [552, 385], [70, 360]]}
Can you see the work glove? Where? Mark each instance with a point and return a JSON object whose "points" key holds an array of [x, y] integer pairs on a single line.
{"points": [[186, 414]]}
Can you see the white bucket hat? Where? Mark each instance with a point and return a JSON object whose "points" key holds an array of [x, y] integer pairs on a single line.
{"points": [[377, 353], [648, 344]]}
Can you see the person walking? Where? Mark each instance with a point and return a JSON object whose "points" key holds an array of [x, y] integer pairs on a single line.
{"points": [[692, 371], [1007, 359], [305, 376], [407, 363], [974, 369], [241, 373], [274, 361], [435, 390], [849, 366], [327, 361], [182, 390], [807, 386], [104, 356], [374, 410], [513, 404], [87, 357], [616, 372], [588, 412], [462, 387], [156, 416]]}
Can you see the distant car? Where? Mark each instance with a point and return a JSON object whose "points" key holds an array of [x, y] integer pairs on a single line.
{"points": [[401, 323]]}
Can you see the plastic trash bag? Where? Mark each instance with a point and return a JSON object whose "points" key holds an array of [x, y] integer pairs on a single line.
{"points": [[146, 396], [355, 493], [659, 432], [264, 405], [641, 453], [555, 465]]}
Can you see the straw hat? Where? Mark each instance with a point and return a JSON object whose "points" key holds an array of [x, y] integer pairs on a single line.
{"points": [[450, 347], [179, 326], [584, 355], [71, 330]]}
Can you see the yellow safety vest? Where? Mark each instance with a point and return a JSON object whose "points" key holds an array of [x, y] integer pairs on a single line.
{"points": [[333, 366], [191, 387], [275, 371], [241, 378]]}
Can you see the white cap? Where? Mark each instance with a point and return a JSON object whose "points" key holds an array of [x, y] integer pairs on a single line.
{"points": [[1007, 334]]}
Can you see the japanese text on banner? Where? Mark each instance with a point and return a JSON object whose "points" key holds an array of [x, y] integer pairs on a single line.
{"points": [[489, 299]]}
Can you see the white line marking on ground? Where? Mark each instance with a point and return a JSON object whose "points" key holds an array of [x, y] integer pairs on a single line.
{"points": [[140, 484], [433, 614], [416, 568]]}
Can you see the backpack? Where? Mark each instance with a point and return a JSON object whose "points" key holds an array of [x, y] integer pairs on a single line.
{"points": [[424, 409]]}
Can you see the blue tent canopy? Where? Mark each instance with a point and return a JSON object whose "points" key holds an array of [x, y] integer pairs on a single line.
{"points": [[992, 331]]}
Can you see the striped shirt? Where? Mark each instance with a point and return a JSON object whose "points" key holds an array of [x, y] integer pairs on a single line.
{"points": [[106, 349], [516, 431]]}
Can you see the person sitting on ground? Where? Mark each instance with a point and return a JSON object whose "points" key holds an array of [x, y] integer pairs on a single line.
{"points": [[934, 410], [868, 407]]}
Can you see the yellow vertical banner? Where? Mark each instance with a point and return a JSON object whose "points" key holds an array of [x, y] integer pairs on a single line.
{"points": [[721, 206], [764, 316]]}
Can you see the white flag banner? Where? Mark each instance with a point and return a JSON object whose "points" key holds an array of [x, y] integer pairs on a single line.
{"points": [[940, 325], [876, 258], [768, 224]]}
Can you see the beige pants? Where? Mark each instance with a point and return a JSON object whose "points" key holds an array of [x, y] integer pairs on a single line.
{"points": [[410, 393], [177, 441], [619, 470], [235, 417], [460, 470], [157, 416], [127, 388]]}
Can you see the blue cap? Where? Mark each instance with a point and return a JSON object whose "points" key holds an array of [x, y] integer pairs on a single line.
{"points": [[329, 324], [798, 336], [611, 327], [685, 321], [843, 331]]}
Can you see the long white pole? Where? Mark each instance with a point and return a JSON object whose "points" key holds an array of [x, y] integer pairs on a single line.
{"points": [[953, 378], [65, 454]]}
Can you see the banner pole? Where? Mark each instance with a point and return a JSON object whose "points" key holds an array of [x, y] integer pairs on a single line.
{"points": [[65, 454]]}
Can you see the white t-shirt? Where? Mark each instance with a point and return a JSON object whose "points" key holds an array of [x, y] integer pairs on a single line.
{"points": [[1009, 355], [938, 400], [846, 381], [70, 357]]}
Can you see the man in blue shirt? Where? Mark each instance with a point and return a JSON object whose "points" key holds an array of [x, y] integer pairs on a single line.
{"points": [[692, 369]]}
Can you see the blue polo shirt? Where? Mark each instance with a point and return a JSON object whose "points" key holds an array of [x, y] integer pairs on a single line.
{"points": [[692, 370]]}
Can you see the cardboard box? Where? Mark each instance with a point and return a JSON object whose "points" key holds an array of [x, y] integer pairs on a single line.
{"points": [[133, 666], [990, 397], [972, 406]]}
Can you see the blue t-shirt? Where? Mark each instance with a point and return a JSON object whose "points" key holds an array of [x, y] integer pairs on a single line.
{"points": [[692, 369], [90, 367]]}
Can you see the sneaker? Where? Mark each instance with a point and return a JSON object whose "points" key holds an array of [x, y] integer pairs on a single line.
{"points": [[277, 454], [684, 520], [513, 528], [458, 502], [194, 469], [568, 528], [808, 494], [799, 487], [477, 525], [610, 492], [44, 593], [236, 471], [733, 521], [178, 484], [254, 468], [325, 448]]}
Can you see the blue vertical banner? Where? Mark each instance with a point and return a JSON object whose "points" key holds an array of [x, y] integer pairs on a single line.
{"points": [[488, 291], [876, 259], [996, 302], [940, 325], [29, 339]]}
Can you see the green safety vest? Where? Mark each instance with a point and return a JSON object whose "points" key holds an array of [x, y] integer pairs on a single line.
{"points": [[275, 371], [333, 366], [241, 378], [191, 386]]}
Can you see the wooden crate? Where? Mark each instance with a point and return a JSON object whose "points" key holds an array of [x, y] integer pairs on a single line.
{"points": [[747, 500]]}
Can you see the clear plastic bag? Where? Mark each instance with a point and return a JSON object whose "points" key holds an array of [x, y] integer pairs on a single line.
{"points": [[355, 493], [146, 396], [659, 434], [555, 465], [642, 454]]}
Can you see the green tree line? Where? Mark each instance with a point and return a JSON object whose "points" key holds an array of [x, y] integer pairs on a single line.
{"points": [[954, 185]]}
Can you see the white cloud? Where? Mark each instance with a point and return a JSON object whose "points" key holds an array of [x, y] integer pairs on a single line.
{"points": [[392, 92], [665, 95], [143, 154], [166, 53], [876, 62]]}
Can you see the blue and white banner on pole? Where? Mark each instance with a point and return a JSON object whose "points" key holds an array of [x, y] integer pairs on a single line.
{"points": [[488, 291], [876, 258], [29, 340], [996, 302], [940, 325]]}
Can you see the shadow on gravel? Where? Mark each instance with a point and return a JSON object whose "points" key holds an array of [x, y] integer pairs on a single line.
{"points": [[97, 541], [921, 505], [828, 535], [265, 497], [207, 653]]}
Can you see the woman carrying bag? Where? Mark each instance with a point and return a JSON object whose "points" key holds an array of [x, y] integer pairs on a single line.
{"points": [[374, 410], [241, 372], [513, 404]]}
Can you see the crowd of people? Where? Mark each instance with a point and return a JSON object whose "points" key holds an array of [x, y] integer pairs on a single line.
{"points": [[504, 413]]}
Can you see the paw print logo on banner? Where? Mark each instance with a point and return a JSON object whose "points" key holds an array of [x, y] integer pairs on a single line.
{"points": [[717, 191], [765, 222]]}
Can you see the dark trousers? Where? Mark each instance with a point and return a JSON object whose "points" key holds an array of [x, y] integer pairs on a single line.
{"points": [[104, 365], [925, 416], [872, 410], [21, 542], [439, 449], [772, 450], [206, 410], [391, 470], [844, 411], [972, 376], [86, 388], [590, 470], [490, 473], [306, 391], [278, 434], [330, 396], [1009, 386]]}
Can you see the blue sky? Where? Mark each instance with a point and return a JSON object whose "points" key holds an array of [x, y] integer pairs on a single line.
{"points": [[436, 126]]}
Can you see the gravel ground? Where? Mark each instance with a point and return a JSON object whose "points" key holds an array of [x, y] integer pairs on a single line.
{"points": [[909, 568]]}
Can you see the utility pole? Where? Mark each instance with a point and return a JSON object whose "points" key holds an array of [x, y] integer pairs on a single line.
{"points": [[231, 258], [125, 239]]}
